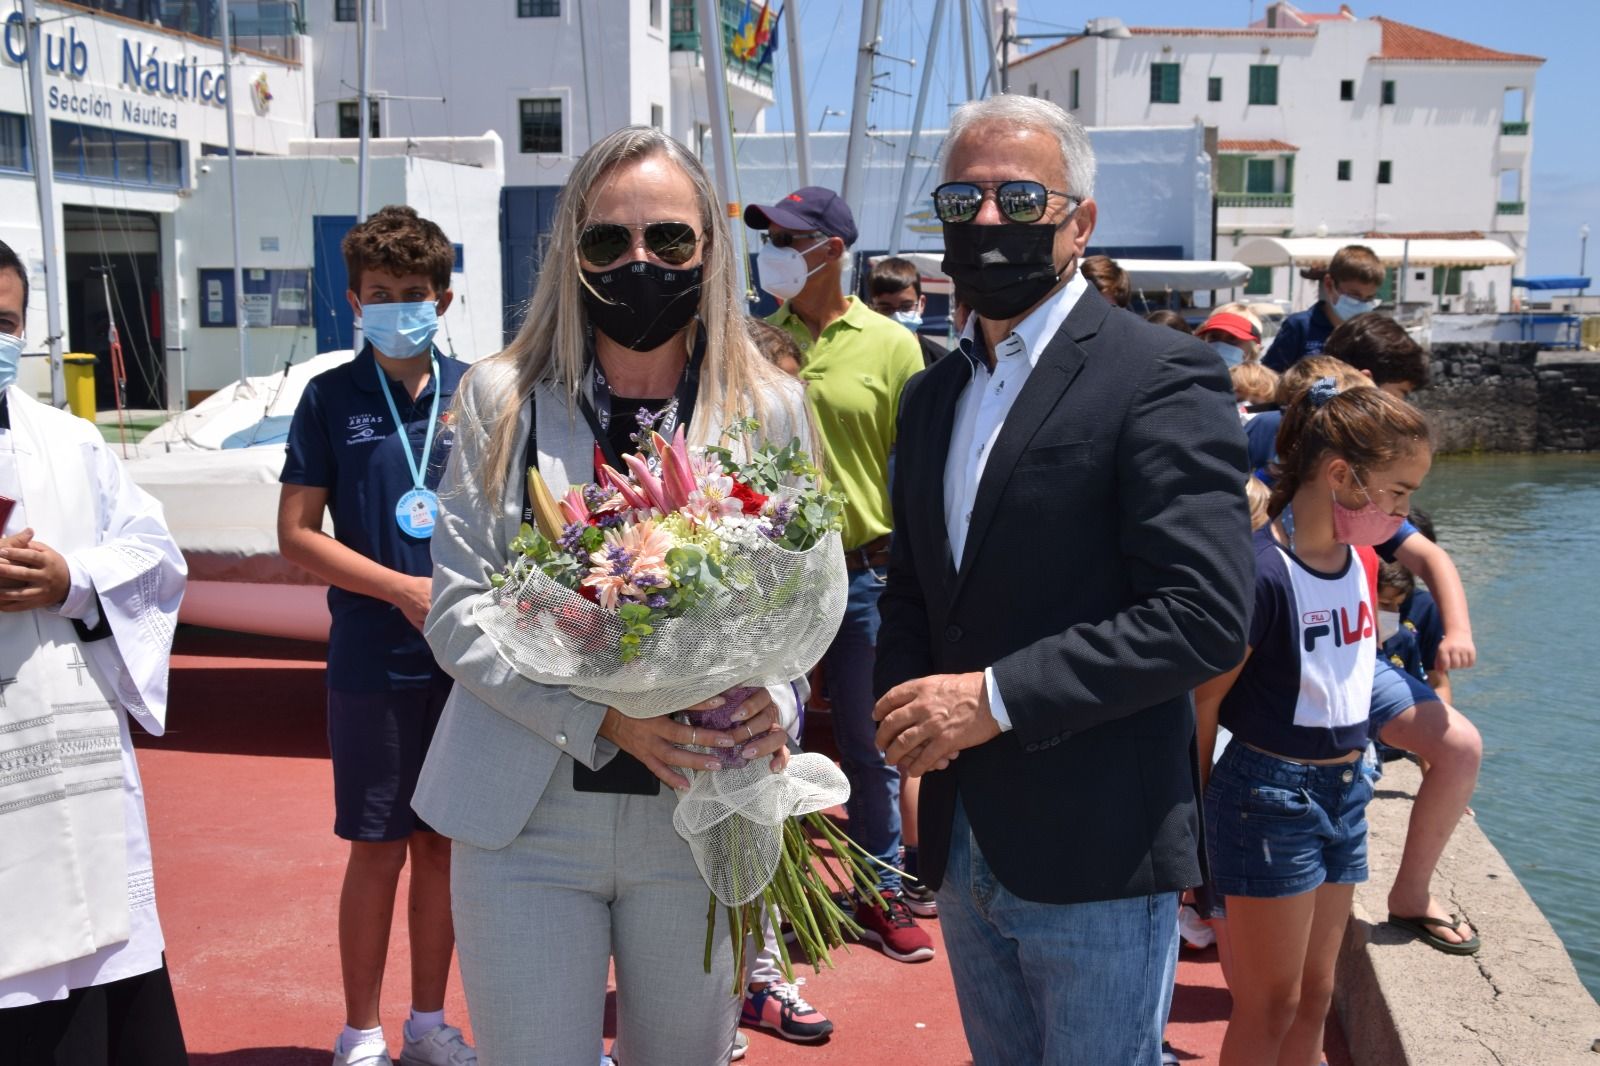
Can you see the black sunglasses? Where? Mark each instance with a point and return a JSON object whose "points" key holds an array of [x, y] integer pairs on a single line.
{"points": [[1018, 201], [786, 238], [603, 243]]}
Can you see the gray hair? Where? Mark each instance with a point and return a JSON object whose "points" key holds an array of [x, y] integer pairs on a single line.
{"points": [[1030, 112]]}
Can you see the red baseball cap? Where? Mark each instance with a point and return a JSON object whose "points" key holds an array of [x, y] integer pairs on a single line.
{"points": [[1233, 325]]}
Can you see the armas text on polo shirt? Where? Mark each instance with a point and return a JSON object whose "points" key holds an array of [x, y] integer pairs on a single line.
{"points": [[365, 429]]}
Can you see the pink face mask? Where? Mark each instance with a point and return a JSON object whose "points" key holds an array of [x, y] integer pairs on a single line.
{"points": [[1368, 525]]}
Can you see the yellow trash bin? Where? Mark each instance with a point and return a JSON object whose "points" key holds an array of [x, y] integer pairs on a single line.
{"points": [[78, 369]]}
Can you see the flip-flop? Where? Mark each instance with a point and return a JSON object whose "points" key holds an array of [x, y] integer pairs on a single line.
{"points": [[1421, 928]]}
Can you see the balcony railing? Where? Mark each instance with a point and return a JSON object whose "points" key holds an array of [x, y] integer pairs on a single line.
{"points": [[1255, 199], [686, 36], [272, 27], [1514, 129], [1510, 207]]}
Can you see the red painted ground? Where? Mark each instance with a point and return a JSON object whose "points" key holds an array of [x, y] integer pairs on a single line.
{"points": [[248, 873]]}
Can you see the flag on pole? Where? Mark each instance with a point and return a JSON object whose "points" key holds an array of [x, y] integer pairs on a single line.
{"points": [[744, 38], [766, 25]]}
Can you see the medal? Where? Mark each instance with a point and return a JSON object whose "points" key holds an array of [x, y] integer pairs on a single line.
{"points": [[417, 511]]}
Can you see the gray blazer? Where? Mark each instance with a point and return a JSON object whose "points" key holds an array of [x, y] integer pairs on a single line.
{"points": [[501, 736]]}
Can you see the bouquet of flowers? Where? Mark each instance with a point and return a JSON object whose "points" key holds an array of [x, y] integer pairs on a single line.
{"points": [[694, 574]]}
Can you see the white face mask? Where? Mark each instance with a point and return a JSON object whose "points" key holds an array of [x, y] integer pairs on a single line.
{"points": [[10, 358], [783, 270], [1388, 625], [911, 320]]}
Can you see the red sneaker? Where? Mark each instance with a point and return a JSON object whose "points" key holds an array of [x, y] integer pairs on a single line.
{"points": [[894, 930], [779, 1007]]}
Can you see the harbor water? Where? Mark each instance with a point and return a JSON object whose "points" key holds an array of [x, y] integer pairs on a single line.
{"points": [[1525, 533]]}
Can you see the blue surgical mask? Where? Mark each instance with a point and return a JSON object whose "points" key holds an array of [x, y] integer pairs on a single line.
{"points": [[400, 330], [909, 319], [1231, 354], [1348, 307], [10, 357]]}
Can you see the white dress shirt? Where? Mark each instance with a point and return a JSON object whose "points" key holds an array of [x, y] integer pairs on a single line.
{"points": [[980, 414]]}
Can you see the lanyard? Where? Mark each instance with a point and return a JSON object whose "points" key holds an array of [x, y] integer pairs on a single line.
{"points": [[597, 410], [418, 472]]}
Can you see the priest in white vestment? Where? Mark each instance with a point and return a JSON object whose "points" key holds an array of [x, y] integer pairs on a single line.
{"points": [[90, 581]]}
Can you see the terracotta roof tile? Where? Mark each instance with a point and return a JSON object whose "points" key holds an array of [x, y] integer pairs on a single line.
{"points": [[1256, 146], [1401, 41], [1426, 235], [1214, 31]]}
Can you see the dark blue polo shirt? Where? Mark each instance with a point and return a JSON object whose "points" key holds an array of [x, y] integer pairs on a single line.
{"points": [[1302, 333], [342, 439]]}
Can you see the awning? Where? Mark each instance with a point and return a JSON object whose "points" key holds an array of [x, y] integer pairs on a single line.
{"points": [[1184, 275], [1425, 252], [1551, 281]]}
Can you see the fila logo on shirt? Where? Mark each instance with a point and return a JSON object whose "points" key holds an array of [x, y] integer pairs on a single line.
{"points": [[1319, 624]]}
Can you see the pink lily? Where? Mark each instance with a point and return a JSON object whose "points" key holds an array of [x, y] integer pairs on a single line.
{"points": [[573, 507], [648, 482], [676, 474], [625, 488]]}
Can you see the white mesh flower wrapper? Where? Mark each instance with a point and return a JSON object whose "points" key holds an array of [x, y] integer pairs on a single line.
{"points": [[780, 613], [733, 819]]}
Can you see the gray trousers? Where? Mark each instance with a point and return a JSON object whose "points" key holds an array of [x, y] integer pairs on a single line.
{"points": [[592, 877]]}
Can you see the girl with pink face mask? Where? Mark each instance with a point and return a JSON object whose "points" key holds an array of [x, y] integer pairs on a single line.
{"points": [[1285, 806]]}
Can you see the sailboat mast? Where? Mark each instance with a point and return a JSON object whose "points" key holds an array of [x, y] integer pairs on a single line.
{"points": [[233, 201], [966, 47], [721, 120], [363, 106], [797, 96], [898, 226], [855, 154], [44, 172]]}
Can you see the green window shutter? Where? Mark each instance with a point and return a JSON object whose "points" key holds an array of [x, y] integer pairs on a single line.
{"points": [[1344, 170], [1264, 85], [1170, 83], [1163, 83], [1288, 173], [1386, 291], [1259, 283], [1214, 90], [1258, 176], [1230, 173]]}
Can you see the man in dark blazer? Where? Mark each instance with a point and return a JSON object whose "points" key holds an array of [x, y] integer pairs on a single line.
{"points": [[1071, 557]]}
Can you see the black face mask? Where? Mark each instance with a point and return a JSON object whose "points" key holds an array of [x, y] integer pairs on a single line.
{"points": [[641, 305], [1001, 271]]}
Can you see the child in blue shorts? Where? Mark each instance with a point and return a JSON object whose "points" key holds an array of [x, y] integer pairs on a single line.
{"points": [[1285, 806], [368, 444]]}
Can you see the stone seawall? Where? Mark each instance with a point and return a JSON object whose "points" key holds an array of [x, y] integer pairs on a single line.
{"points": [[1518, 1002], [1512, 396]]}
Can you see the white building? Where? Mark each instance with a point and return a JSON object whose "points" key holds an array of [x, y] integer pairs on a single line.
{"points": [[134, 110], [1326, 125], [551, 77]]}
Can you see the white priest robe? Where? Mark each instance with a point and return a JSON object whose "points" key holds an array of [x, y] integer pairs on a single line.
{"points": [[75, 872]]}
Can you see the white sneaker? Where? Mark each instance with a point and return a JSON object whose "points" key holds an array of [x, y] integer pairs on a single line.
{"points": [[1196, 931], [367, 1053], [444, 1046], [741, 1044]]}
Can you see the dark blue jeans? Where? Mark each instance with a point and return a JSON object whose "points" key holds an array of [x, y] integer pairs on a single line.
{"points": [[874, 804]]}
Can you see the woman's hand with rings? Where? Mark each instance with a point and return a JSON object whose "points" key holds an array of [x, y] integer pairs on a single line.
{"points": [[662, 743]]}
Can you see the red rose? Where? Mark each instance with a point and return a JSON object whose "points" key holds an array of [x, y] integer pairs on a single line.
{"points": [[749, 499]]}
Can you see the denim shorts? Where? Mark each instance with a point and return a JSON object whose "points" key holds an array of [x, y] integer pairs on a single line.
{"points": [[1393, 693], [1279, 828]]}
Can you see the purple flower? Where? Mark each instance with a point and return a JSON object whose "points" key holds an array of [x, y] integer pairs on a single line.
{"points": [[656, 601], [571, 537], [620, 560], [609, 520], [594, 496]]}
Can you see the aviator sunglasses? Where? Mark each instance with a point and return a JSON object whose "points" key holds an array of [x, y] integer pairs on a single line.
{"points": [[786, 239], [603, 243], [1018, 201]]}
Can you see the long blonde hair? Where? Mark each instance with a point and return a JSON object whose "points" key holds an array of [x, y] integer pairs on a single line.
{"points": [[551, 346]]}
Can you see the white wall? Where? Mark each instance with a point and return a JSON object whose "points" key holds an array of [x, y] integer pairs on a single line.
{"points": [[284, 197], [464, 66]]}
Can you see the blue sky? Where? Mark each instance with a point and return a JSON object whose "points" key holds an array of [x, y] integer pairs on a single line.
{"points": [[1566, 131]]}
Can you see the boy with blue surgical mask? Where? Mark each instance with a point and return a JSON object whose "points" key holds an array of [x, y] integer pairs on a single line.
{"points": [[894, 288], [368, 444], [1349, 288]]}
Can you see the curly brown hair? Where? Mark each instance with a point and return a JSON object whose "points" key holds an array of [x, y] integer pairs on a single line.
{"points": [[398, 241]]}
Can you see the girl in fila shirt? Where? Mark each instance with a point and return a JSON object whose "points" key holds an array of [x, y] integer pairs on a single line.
{"points": [[1285, 806]]}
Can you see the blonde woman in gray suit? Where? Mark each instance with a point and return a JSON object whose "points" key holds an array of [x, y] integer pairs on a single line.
{"points": [[564, 854]]}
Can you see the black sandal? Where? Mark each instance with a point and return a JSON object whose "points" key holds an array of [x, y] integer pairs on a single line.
{"points": [[1422, 928]]}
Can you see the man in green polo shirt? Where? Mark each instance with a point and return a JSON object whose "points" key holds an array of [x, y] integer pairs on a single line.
{"points": [[856, 363]]}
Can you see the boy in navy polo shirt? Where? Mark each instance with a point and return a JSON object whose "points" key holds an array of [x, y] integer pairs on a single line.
{"points": [[385, 692], [1349, 288]]}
